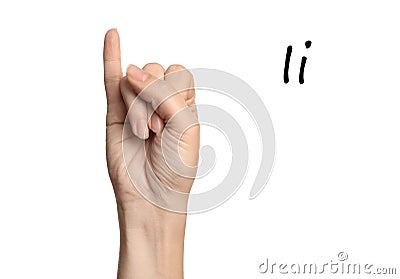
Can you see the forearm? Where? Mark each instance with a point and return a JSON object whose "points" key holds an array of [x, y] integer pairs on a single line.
{"points": [[151, 243]]}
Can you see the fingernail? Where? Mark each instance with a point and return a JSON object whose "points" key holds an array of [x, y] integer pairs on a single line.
{"points": [[142, 131], [136, 73], [156, 124]]}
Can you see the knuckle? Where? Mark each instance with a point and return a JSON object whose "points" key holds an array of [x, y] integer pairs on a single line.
{"points": [[111, 81], [175, 67], [180, 71], [153, 66]]}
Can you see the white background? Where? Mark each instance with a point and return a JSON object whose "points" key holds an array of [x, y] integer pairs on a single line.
{"points": [[335, 184]]}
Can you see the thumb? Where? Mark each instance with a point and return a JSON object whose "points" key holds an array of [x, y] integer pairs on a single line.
{"points": [[158, 92]]}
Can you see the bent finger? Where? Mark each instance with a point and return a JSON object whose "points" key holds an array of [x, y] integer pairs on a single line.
{"points": [[137, 110]]}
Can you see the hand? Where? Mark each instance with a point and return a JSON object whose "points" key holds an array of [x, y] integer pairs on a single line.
{"points": [[146, 129], [136, 153]]}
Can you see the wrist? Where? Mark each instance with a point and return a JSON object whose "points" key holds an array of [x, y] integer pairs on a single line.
{"points": [[151, 241]]}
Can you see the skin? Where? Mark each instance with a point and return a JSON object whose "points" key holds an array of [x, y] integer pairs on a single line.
{"points": [[151, 238]]}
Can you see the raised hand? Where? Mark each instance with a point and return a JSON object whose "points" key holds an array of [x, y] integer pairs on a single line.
{"points": [[152, 158]]}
